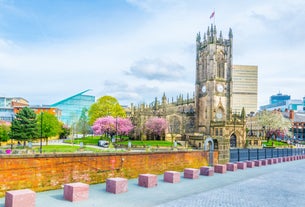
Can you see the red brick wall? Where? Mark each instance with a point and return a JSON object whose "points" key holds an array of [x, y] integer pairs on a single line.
{"points": [[51, 171]]}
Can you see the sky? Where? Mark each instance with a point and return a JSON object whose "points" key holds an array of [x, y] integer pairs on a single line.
{"points": [[136, 50]]}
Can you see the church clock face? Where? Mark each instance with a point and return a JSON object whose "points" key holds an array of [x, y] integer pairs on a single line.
{"points": [[219, 88], [219, 114], [204, 89]]}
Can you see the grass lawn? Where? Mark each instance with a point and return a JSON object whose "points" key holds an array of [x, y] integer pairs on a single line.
{"points": [[147, 143], [274, 143], [64, 148], [91, 140]]}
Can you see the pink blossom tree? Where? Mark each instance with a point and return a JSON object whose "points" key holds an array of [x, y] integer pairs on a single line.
{"points": [[156, 126], [109, 125]]}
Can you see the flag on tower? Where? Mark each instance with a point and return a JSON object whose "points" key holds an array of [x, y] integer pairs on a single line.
{"points": [[212, 15]]}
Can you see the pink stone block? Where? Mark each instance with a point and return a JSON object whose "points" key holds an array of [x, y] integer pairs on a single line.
{"points": [[264, 162], [269, 161], [274, 160], [220, 168], [116, 185], [279, 160], [206, 171], [241, 165], [191, 173], [76, 191], [284, 159], [147, 180], [258, 163], [250, 164], [231, 166], [20, 198], [171, 177]]}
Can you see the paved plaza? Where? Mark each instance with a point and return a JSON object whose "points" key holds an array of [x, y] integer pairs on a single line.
{"points": [[277, 185]]}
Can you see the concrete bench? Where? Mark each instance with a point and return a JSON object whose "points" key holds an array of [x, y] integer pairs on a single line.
{"points": [[147, 180], [231, 166], [257, 163], [250, 164], [76, 191], [20, 198], [116, 185], [191, 173], [206, 171], [171, 177], [220, 168], [241, 165]]}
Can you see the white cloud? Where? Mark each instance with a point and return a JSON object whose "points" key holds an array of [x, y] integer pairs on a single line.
{"points": [[157, 51]]}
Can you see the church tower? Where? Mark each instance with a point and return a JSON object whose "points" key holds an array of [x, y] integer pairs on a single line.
{"points": [[213, 82]]}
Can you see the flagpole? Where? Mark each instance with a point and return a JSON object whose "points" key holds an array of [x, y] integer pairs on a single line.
{"points": [[214, 16]]}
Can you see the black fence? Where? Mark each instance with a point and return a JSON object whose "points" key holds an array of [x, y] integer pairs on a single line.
{"points": [[237, 155]]}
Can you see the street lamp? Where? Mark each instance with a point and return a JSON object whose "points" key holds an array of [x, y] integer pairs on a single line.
{"points": [[12, 128], [251, 115], [41, 118]]}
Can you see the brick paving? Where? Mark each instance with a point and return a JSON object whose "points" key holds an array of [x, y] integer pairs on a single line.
{"points": [[279, 185]]}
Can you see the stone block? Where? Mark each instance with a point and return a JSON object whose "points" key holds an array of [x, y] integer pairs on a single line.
{"points": [[207, 171], [279, 159], [231, 166], [257, 163], [264, 162], [250, 164], [191, 173], [171, 177], [241, 165], [274, 160], [117, 185], [147, 180], [76, 191], [270, 161], [220, 168], [20, 198]]}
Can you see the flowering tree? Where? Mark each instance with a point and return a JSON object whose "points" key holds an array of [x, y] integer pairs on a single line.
{"points": [[156, 126], [275, 124], [110, 126]]}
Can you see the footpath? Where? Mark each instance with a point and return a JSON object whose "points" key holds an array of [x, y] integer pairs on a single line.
{"points": [[277, 185]]}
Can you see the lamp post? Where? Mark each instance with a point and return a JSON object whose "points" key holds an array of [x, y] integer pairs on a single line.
{"points": [[12, 128], [41, 119], [251, 115]]}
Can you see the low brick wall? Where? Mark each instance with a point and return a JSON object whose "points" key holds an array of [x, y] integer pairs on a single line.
{"points": [[51, 171]]}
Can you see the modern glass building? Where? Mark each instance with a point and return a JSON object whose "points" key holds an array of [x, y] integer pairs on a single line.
{"points": [[279, 98], [71, 108]]}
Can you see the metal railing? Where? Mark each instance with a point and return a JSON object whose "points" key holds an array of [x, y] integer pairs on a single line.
{"points": [[237, 155]]}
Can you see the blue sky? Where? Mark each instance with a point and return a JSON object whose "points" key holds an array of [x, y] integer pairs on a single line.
{"points": [[52, 49]]}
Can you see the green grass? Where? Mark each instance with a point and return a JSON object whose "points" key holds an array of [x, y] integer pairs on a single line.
{"points": [[64, 148], [148, 143], [91, 140], [274, 143]]}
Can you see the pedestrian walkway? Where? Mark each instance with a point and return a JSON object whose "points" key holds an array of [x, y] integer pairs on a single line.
{"points": [[279, 185]]}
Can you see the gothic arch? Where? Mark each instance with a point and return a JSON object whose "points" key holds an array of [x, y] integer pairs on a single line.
{"points": [[206, 142], [233, 141]]}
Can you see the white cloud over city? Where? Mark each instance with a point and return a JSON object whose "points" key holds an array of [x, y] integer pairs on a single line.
{"points": [[138, 50]]}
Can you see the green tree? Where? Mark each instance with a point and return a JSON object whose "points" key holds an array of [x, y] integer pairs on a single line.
{"points": [[82, 125], [105, 106], [24, 126], [64, 132], [50, 126], [4, 133]]}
